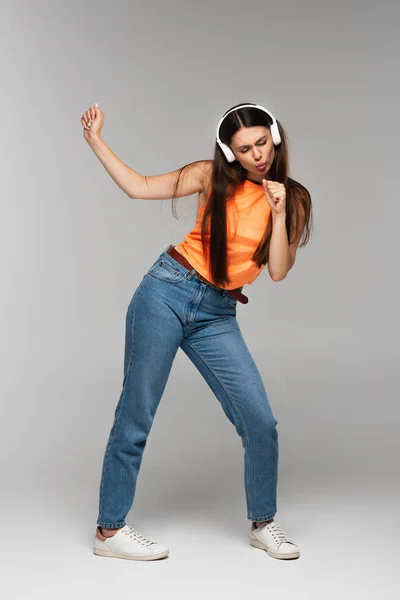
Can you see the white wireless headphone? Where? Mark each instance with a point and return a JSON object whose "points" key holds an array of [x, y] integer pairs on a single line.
{"points": [[276, 138]]}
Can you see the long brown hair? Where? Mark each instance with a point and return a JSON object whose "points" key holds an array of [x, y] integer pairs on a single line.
{"points": [[226, 177]]}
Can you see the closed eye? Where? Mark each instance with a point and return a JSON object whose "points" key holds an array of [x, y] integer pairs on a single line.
{"points": [[258, 144]]}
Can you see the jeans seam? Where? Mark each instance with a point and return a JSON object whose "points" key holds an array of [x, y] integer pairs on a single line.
{"points": [[264, 518], [246, 436], [108, 525], [117, 416], [166, 280]]}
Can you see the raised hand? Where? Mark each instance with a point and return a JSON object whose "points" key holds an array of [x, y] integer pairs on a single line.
{"points": [[275, 193], [92, 121]]}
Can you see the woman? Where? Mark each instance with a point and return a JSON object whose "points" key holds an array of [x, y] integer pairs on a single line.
{"points": [[250, 213]]}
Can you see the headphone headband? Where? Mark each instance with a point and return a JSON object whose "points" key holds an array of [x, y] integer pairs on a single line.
{"points": [[276, 138]]}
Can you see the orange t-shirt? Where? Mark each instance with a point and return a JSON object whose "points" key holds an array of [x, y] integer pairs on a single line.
{"points": [[247, 215]]}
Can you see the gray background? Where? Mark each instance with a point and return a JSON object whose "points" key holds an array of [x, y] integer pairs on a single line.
{"points": [[74, 248]]}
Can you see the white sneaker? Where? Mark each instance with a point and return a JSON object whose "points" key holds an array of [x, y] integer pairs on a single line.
{"points": [[272, 538], [128, 543]]}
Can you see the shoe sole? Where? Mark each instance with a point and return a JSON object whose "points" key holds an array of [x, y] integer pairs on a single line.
{"points": [[258, 544], [111, 554]]}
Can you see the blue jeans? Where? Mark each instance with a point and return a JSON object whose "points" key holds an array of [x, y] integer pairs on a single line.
{"points": [[170, 309]]}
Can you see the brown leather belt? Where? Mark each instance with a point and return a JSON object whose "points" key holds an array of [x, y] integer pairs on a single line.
{"points": [[182, 260]]}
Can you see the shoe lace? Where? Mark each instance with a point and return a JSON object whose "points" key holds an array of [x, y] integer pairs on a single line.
{"points": [[277, 532], [135, 535]]}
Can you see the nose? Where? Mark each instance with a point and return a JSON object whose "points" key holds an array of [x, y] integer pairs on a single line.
{"points": [[256, 153]]}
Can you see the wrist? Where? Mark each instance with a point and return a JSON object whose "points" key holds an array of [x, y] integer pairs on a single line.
{"points": [[94, 139], [276, 217]]}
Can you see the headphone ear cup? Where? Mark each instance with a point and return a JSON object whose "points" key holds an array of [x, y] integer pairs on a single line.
{"points": [[230, 157], [276, 137]]}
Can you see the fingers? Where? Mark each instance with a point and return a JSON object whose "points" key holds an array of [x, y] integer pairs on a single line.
{"points": [[90, 115], [86, 119], [274, 185], [275, 192], [93, 111]]}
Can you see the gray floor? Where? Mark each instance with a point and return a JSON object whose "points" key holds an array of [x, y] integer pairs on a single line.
{"points": [[347, 540]]}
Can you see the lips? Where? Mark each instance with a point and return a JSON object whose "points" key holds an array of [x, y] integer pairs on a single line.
{"points": [[261, 167]]}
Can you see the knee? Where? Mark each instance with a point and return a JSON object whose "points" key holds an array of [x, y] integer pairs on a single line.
{"points": [[270, 423], [265, 427]]}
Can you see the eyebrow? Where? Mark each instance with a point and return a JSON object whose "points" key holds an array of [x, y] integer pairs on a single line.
{"points": [[246, 145]]}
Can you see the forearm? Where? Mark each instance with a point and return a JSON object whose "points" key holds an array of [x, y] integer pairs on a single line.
{"points": [[279, 255], [125, 177]]}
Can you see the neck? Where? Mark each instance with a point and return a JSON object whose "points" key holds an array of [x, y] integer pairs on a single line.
{"points": [[254, 180]]}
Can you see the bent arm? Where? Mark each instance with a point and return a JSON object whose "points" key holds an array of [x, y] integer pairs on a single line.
{"points": [[156, 187], [282, 253], [279, 260]]}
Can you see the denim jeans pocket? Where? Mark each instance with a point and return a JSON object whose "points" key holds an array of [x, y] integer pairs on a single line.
{"points": [[165, 271]]}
